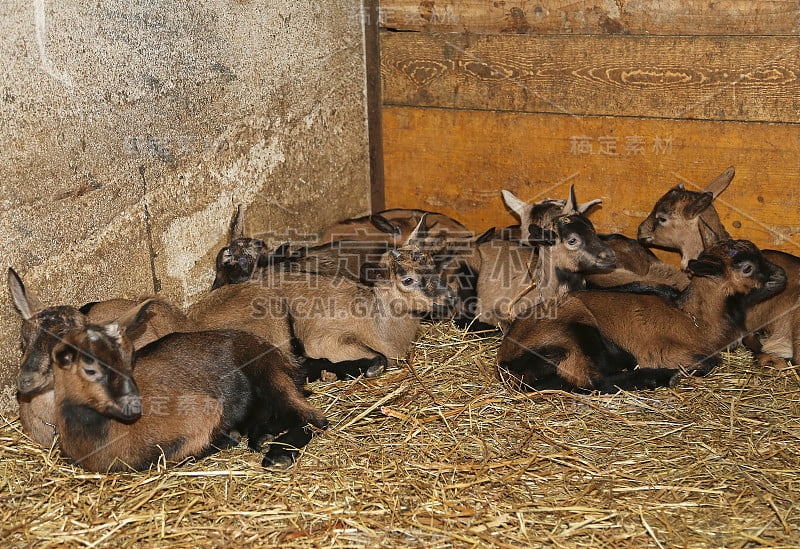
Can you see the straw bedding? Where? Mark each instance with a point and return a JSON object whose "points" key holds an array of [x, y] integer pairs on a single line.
{"points": [[437, 453]]}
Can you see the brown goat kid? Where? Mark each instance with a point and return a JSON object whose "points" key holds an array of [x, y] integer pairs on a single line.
{"points": [[190, 392], [688, 222], [42, 328], [598, 337], [341, 325], [513, 277], [634, 262]]}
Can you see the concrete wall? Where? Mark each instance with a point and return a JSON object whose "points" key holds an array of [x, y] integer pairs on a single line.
{"points": [[130, 128]]}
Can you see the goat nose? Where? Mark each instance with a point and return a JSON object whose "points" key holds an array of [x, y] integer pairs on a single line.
{"points": [[25, 382], [131, 405], [129, 388]]}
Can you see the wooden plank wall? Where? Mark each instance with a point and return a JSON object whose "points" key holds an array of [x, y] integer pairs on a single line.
{"points": [[622, 98]]}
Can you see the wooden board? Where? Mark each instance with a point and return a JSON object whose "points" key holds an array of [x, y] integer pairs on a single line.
{"points": [[682, 17], [708, 78], [372, 58], [456, 162]]}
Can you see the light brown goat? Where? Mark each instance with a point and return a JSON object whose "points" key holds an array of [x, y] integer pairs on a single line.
{"points": [[688, 222], [347, 326], [598, 337], [563, 246], [41, 329]]}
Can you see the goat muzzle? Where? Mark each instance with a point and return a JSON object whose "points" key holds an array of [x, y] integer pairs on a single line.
{"points": [[30, 383]]}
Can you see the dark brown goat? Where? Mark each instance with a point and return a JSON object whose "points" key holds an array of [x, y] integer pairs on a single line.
{"points": [[351, 327], [42, 328], [635, 263], [244, 257], [190, 392], [688, 222], [598, 337]]}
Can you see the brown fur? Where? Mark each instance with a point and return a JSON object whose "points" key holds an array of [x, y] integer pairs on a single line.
{"points": [[688, 222], [342, 258], [334, 318], [41, 329], [598, 334], [568, 246], [394, 226], [189, 393], [634, 263]]}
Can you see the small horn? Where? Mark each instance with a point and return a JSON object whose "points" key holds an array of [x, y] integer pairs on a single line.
{"points": [[571, 205], [419, 232], [237, 225]]}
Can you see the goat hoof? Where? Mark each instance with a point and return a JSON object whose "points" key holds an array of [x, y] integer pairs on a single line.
{"points": [[766, 360], [674, 380], [319, 421], [376, 369], [256, 443], [279, 461], [327, 376]]}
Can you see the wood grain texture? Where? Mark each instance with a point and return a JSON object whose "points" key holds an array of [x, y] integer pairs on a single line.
{"points": [[682, 17], [707, 78], [456, 162]]}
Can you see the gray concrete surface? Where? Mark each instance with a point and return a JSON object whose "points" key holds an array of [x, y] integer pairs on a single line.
{"points": [[130, 128]]}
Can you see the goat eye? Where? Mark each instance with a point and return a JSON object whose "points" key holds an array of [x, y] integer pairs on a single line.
{"points": [[91, 372], [747, 269], [661, 219], [574, 241], [408, 281]]}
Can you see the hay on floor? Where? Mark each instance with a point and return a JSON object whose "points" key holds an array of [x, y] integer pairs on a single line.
{"points": [[438, 454]]}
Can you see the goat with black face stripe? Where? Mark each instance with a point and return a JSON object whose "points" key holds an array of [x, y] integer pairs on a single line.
{"points": [[184, 395], [42, 327], [597, 338], [688, 222], [560, 247]]}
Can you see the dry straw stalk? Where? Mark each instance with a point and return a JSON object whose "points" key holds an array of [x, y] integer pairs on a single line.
{"points": [[438, 454]]}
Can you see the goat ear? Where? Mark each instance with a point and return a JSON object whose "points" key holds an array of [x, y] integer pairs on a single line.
{"points": [[571, 205], [129, 320], [237, 225], [27, 303], [698, 206], [586, 206], [384, 225], [515, 204], [720, 182], [541, 236], [372, 273], [64, 354], [485, 237], [703, 267], [419, 232]]}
